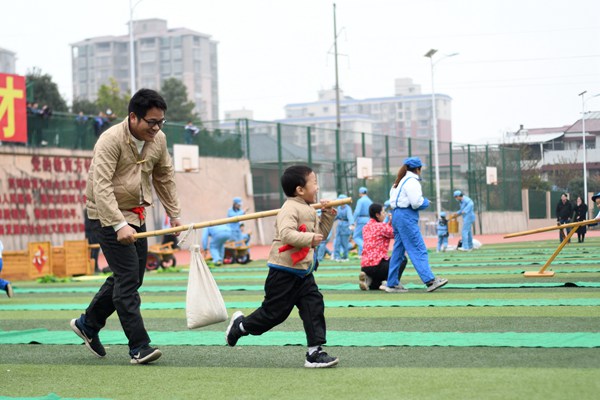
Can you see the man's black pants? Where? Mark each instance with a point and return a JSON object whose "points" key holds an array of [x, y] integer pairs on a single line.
{"points": [[120, 290]]}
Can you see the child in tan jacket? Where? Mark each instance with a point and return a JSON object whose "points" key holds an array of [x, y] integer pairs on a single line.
{"points": [[291, 263]]}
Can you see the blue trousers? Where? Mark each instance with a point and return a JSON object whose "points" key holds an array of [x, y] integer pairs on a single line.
{"points": [[217, 245], [408, 238], [341, 243], [467, 232], [442, 242]]}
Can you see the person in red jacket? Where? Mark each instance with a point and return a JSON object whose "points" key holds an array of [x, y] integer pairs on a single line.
{"points": [[375, 260]]}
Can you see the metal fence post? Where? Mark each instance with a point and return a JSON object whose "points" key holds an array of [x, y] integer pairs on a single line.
{"points": [[279, 159], [309, 145]]}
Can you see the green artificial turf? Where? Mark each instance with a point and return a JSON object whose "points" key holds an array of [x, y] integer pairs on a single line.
{"points": [[490, 279]]}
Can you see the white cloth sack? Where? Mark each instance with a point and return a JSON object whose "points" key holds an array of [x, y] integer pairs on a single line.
{"points": [[204, 303]]}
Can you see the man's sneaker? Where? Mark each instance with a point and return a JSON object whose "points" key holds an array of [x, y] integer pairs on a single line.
{"points": [[396, 289], [383, 285], [364, 281], [92, 343], [146, 355], [463, 249], [234, 332], [320, 359], [436, 284], [9, 290]]}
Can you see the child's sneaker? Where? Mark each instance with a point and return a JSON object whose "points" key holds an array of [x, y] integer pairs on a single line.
{"points": [[364, 281], [9, 290], [320, 359], [234, 332]]}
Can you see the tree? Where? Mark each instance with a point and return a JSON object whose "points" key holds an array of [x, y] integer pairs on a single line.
{"points": [[42, 90], [110, 98], [88, 107], [179, 107]]}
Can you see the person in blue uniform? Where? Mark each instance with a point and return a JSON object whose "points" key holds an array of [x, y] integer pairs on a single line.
{"points": [[361, 217], [341, 242], [467, 211], [217, 236], [406, 199], [236, 211], [442, 232]]}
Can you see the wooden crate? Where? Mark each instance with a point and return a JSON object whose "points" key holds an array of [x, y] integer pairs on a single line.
{"points": [[71, 259], [16, 265]]}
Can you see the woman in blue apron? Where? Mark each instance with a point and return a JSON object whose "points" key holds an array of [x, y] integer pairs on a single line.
{"points": [[406, 199]]}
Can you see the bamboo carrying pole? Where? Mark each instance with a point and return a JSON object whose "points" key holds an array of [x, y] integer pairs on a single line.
{"points": [[552, 228], [222, 221]]}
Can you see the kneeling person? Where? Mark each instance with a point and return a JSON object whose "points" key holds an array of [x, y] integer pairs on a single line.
{"points": [[375, 261]]}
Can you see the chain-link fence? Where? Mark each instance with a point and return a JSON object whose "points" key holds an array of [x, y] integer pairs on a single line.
{"points": [[271, 147]]}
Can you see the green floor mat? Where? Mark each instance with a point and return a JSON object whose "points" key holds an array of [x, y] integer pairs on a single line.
{"points": [[180, 305], [342, 286], [334, 338]]}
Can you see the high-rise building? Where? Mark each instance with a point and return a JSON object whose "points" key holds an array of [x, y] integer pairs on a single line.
{"points": [[160, 53], [7, 61]]}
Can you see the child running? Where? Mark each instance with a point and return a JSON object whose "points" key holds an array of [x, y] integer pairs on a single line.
{"points": [[290, 282]]}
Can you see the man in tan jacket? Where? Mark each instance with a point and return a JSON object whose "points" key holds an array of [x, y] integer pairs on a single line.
{"points": [[127, 157]]}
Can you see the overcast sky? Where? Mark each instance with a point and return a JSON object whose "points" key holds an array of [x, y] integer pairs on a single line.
{"points": [[519, 62]]}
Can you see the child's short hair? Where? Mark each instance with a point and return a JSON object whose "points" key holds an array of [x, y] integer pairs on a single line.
{"points": [[375, 209], [293, 177]]}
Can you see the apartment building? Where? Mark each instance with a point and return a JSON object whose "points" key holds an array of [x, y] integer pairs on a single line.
{"points": [[7, 61], [160, 53]]}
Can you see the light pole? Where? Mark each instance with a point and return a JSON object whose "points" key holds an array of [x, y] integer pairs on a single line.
{"points": [[131, 47], [583, 101], [436, 157]]}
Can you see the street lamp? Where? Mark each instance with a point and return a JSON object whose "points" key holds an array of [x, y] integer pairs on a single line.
{"points": [[583, 101], [131, 47], [436, 157]]}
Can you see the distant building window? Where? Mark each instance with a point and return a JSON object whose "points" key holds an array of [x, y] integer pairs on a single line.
{"points": [[196, 40], [176, 41], [147, 43], [102, 47], [165, 42], [165, 68], [148, 56], [177, 67], [148, 68], [165, 55], [103, 61], [177, 53]]}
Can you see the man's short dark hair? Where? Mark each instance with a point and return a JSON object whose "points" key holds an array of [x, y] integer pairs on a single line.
{"points": [[145, 99], [375, 209], [293, 177]]}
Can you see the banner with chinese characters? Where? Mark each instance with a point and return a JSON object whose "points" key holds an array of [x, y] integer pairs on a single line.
{"points": [[13, 108], [42, 197]]}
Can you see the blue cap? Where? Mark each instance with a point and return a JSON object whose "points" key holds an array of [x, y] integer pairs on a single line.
{"points": [[594, 197], [443, 214], [237, 200], [362, 189], [413, 162], [342, 196], [457, 193]]}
